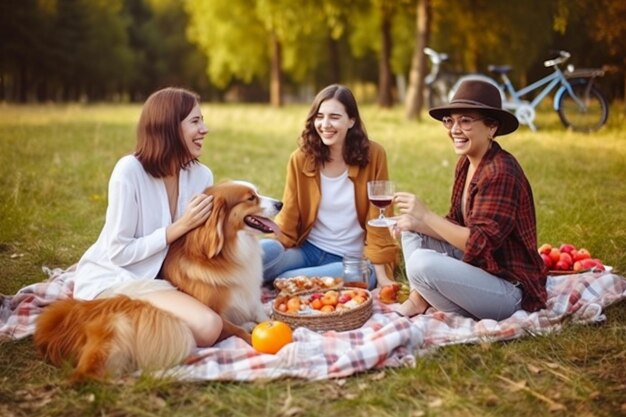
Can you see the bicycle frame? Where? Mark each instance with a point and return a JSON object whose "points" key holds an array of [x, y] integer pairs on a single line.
{"points": [[525, 110], [552, 80]]}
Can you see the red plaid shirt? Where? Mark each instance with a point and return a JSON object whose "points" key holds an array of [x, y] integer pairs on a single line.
{"points": [[501, 219]]}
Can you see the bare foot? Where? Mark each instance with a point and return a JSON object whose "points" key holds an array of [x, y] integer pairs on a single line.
{"points": [[413, 305], [384, 281]]}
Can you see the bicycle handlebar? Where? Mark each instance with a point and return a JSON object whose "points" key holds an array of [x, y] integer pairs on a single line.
{"points": [[563, 56], [434, 56]]}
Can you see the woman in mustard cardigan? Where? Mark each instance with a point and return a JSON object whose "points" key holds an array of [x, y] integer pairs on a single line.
{"points": [[326, 208]]}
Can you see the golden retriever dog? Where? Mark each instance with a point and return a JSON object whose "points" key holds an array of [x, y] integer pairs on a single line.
{"points": [[111, 336], [218, 263]]}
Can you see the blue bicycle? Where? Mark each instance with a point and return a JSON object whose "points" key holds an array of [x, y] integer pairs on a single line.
{"points": [[580, 104]]}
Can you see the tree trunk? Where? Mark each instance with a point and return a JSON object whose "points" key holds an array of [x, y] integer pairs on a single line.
{"points": [[385, 78], [276, 81], [334, 58], [415, 94]]}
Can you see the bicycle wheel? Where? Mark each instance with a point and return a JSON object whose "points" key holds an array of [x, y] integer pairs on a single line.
{"points": [[438, 93], [592, 116]]}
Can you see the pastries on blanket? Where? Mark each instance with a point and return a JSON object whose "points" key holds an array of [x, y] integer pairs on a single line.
{"points": [[302, 283]]}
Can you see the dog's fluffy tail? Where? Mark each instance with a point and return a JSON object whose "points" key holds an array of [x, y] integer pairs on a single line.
{"points": [[111, 335]]}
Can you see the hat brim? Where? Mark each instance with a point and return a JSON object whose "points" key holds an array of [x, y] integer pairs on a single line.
{"points": [[508, 121]]}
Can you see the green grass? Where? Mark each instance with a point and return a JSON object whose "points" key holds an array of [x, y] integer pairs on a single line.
{"points": [[54, 166]]}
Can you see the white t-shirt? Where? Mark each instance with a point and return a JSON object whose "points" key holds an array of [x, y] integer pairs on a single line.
{"points": [[337, 229], [132, 244]]}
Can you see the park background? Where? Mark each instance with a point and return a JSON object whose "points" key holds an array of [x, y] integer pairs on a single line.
{"points": [[281, 51], [74, 72]]}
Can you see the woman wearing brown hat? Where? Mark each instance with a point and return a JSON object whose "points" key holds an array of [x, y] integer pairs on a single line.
{"points": [[481, 259]]}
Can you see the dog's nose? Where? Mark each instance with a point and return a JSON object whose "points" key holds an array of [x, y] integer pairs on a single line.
{"points": [[278, 205]]}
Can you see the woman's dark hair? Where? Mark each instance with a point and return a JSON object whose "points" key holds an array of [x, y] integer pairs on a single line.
{"points": [[161, 148], [356, 147]]}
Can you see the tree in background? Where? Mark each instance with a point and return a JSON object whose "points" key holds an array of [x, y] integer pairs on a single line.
{"points": [[62, 50], [268, 40], [609, 28], [415, 95], [287, 49]]}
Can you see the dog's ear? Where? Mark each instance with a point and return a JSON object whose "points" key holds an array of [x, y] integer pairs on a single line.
{"points": [[213, 236]]}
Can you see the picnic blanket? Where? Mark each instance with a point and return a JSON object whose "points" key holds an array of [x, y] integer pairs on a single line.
{"points": [[385, 340]]}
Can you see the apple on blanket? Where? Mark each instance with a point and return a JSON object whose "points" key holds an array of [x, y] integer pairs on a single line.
{"points": [[394, 293]]}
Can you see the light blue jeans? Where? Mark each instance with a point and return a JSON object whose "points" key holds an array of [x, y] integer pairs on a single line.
{"points": [[307, 260], [435, 270]]}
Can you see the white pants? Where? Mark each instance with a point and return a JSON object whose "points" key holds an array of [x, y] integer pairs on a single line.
{"points": [[435, 270]]}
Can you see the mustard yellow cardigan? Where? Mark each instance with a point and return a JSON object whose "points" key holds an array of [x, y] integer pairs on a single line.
{"points": [[301, 199]]}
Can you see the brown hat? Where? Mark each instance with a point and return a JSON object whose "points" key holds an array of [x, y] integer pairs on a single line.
{"points": [[482, 96]]}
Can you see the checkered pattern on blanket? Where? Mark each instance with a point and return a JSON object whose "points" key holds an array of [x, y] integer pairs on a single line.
{"points": [[386, 340]]}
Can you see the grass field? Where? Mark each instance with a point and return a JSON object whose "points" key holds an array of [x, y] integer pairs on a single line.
{"points": [[54, 165]]}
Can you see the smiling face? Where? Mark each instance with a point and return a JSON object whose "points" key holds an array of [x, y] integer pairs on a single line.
{"points": [[474, 138], [193, 131], [332, 123]]}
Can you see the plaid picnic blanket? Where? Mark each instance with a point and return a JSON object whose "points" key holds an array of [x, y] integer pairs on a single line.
{"points": [[385, 340]]}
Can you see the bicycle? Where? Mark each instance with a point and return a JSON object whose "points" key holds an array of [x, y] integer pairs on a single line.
{"points": [[438, 82], [580, 104]]}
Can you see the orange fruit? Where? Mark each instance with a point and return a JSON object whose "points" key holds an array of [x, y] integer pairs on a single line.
{"points": [[270, 336], [293, 305], [329, 299], [316, 304], [327, 308]]}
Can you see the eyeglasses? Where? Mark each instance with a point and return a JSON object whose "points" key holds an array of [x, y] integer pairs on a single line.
{"points": [[464, 122]]}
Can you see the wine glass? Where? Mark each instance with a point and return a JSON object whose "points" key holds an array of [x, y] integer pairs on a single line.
{"points": [[380, 194]]}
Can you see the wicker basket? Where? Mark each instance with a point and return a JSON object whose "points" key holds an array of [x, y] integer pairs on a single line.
{"points": [[339, 321]]}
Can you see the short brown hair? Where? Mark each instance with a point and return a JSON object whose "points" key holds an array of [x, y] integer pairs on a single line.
{"points": [[161, 148]]}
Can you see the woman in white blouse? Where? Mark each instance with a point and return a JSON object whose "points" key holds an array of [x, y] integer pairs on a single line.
{"points": [[154, 197]]}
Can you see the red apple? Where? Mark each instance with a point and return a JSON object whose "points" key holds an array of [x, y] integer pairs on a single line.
{"points": [[546, 260], [581, 254], [562, 266], [545, 248], [588, 263], [555, 255], [567, 247], [566, 257], [599, 265]]}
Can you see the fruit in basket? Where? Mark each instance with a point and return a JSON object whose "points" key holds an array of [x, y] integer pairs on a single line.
{"points": [[568, 258], [327, 308], [270, 336], [330, 298], [321, 301], [589, 263], [581, 254], [293, 304], [545, 248]]}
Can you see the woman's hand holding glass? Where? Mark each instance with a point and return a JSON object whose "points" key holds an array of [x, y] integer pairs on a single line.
{"points": [[412, 211]]}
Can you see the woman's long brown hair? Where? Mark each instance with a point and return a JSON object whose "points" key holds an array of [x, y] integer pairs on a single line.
{"points": [[356, 147]]}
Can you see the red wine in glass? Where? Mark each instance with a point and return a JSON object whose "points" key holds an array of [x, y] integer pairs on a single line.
{"points": [[380, 194], [380, 202]]}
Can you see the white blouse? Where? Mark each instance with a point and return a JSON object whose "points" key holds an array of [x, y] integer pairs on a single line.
{"points": [[132, 244], [336, 229]]}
